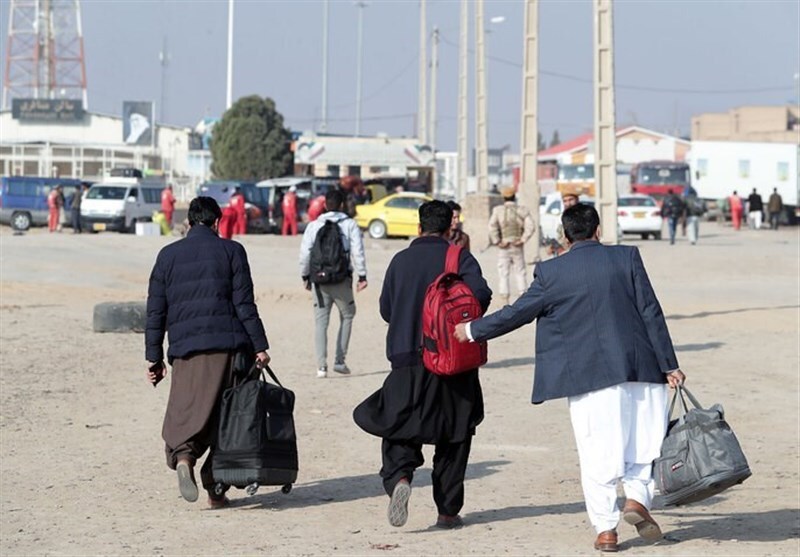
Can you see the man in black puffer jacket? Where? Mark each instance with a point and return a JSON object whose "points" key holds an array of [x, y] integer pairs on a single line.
{"points": [[201, 293]]}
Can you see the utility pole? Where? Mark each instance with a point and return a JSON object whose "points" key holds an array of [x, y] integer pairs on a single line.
{"points": [[434, 77], [323, 126], [463, 110], [163, 58], [229, 90], [529, 143], [422, 116], [605, 155], [359, 62], [481, 135]]}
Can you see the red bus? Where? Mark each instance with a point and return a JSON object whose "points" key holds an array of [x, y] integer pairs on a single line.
{"points": [[658, 178]]}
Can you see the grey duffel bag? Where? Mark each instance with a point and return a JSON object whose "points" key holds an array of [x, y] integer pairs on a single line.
{"points": [[700, 455]]}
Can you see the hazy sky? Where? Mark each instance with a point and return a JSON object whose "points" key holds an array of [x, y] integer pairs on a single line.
{"points": [[673, 59]]}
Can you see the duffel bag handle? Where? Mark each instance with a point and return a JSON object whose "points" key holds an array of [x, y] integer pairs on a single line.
{"points": [[271, 374], [680, 391]]}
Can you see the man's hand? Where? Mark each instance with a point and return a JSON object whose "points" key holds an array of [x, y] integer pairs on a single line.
{"points": [[361, 285], [676, 378], [461, 332], [156, 371], [262, 358], [503, 245], [517, 243], [307, 283]]}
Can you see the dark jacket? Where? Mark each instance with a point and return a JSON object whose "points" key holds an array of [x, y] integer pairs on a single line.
{"points": [[673, 207], [599, 322], [408, 276], [755, 202], [414, 404], [201, 292]]}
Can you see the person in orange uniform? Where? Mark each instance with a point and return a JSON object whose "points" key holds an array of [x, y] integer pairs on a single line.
{"points": [[289, 207], [316, 208], [737, 209], [54, 203], [168, 204], [237, 204]]}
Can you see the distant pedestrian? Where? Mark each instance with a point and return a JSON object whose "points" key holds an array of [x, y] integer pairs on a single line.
{"points": [[568, 199], [55, 203], [336, 291], [672, 209], [775, 207], [755, 209], [237, 203], [201, 295], [168, 204], [457, 235], [414, 406], [289, 208], [348, 186], [695, 208], [315, 208], [510, 226], [75, 207], [737, 209]]}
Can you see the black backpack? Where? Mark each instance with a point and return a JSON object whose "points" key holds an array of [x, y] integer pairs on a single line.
{"points": [[330, 262]]}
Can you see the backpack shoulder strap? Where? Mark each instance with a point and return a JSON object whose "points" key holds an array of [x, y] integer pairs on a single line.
{"points": [[451, 261]]}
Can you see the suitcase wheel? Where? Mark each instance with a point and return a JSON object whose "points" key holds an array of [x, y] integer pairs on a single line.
{"points": [[219, 488], [286, 489], [251, 489]]}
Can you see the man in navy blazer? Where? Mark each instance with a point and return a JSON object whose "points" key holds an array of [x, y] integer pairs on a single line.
{"points": [[602, 342]]}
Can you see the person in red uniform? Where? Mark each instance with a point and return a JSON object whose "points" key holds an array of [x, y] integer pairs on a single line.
{"points": [[168, 203], [54, 203], [737, 209], [289, 207], [316, 208], [237, 203]]}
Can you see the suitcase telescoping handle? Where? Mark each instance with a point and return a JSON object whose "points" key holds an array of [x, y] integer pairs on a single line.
{"points": [[683, 393]]}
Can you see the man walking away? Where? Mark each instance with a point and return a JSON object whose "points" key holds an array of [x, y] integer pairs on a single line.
{"points": [[672, 210], [735, 204], [457, 235], [414, 406], [695, 208], [755, 208], [289, 206], [601, 342], [75, 207], [201, 294], [237, 203], [510, 226], [775, 207], [348, 186], [168, 204], [338, 291]]}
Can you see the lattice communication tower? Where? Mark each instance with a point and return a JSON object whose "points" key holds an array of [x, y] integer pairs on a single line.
{"points": [[45, 56]]}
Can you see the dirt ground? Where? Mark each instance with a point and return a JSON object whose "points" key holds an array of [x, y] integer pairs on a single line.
{"points": [[83, 472]]}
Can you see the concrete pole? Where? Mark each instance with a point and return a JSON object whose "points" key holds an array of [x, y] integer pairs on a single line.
{"points": [[529, 144], [434, 76], [481, 133], [422, 109], [229, 94], [605, 156], [463, 109], [359, 63], [323, 126]]}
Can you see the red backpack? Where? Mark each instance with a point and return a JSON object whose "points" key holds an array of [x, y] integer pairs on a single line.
{"points": [[448, 302]]}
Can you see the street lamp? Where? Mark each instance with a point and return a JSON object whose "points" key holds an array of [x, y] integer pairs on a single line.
{"points": [[360, 55]]}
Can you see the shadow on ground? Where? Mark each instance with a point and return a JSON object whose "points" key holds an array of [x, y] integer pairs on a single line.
{"points": [[727, 312], [510, 362], [698, 347]]}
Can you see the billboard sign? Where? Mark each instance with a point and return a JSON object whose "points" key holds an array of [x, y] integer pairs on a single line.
{"points": [[47, 110], [138, 122]]}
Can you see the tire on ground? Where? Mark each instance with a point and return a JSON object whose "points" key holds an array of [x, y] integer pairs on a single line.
{"points": [[119, 317]]}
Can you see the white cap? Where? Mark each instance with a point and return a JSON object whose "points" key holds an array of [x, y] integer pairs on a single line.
{"points": [[292, 189]]}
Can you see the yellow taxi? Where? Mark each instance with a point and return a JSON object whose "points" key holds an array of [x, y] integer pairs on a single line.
{"points": [[393, 215]]}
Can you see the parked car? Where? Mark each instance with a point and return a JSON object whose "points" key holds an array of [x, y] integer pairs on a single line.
{"points": [[394, 215], [120, 204], [274, 189], [255, 204], [639, 214], [550, 208], [23, 199]]}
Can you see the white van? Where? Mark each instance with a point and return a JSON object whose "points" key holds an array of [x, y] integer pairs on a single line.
{"points": [[119, 205]]}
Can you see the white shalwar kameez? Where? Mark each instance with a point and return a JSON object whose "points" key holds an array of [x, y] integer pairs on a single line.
{"points": [[618, 431]]}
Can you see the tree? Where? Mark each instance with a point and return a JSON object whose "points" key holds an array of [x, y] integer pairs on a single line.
{"points": [[540, 142], [250, 142], [555, 140]]}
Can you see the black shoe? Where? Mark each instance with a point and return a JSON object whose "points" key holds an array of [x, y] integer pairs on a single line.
{"points": [[449, 522], [398, 504]]}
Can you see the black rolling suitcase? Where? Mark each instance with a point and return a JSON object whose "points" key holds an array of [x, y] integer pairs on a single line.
{"points": [[257, 444]]}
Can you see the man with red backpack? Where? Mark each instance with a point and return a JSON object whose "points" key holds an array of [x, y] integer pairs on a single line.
{"points": [[415, 406]]}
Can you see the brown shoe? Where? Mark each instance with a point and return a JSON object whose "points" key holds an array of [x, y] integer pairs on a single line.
{"points": [[218, 503], [635, 514], [607, 541], [449, 522]]}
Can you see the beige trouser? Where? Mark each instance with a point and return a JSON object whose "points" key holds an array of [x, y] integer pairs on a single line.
{"points": [[511, 263]]}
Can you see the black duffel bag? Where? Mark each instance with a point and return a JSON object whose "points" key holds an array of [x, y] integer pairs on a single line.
{"points": [[700, 455], [257, 444]]}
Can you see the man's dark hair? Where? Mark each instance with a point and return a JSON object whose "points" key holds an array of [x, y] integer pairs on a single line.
{"points": [[435, 217], [580, 222], [204, 210], [334, 200], [454, 206]]}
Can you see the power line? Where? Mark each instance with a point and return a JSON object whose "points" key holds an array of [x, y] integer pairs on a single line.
{"points": [[363, 118], [383, 87], [589, 81]]}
